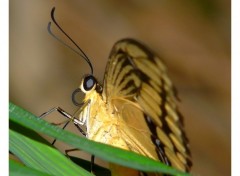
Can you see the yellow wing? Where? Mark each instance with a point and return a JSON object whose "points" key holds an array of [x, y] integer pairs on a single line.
{"points": [[137, 86]]}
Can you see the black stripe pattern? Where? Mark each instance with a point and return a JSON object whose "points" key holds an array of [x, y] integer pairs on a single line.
{"points": [[136, 74]]}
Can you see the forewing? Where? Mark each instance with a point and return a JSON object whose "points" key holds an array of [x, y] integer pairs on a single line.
{"points": [[136, 84]]}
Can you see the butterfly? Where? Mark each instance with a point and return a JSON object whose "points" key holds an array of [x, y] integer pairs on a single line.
{"points": [[135, 108]]}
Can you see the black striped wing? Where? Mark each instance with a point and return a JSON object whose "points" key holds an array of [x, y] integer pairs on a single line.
{"points": [[136, 84]]}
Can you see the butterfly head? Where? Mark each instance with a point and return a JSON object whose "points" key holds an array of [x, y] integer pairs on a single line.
{"points": [[88, 84]]}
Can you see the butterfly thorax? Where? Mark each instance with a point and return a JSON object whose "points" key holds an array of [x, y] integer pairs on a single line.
{"points": [[102, 121], [105, 124]]}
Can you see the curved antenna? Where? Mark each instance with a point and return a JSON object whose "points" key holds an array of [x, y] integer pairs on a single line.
{"points": [[82, 54], [53, 35]]}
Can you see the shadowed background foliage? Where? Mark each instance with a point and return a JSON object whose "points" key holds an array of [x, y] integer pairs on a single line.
{"points": [[192, 37]]}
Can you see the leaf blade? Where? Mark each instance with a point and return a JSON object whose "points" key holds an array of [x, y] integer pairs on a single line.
{"points": [[106, 152], [42, 157], [21, 170]]}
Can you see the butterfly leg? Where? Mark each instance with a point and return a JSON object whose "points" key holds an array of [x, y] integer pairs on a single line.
{"points": [[58, 109], [76, 122], [53, 142], [70, 150], [92, 163], [68, 116], [76, 149]]}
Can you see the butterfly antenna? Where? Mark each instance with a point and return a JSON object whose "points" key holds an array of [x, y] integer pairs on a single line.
{"points": [[82, 54], [53, 35]]}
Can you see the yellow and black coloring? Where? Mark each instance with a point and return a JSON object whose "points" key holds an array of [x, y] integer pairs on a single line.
{"points": [[135, 109]]}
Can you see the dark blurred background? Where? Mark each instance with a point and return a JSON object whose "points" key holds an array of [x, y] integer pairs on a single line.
{"points": [[193, 38]]}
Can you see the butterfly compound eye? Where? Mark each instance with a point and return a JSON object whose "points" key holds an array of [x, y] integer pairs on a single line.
{"points": [[89, 82]]}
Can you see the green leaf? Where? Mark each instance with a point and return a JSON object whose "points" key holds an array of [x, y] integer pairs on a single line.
{"points": [[21, 170], [106, 152], [42, 157], [98, 170]]}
